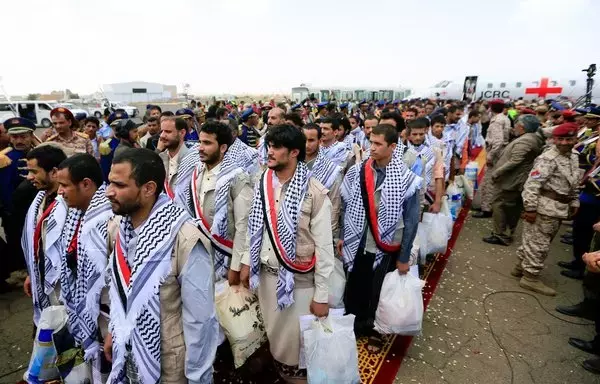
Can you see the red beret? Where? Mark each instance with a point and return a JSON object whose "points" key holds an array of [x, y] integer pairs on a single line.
{"points": [[65, 111], [566, 130], [527, 111], [496, 101], [568, 113]]}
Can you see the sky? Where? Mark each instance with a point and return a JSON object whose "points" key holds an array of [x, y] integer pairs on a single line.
{"points": [[264, 46]]}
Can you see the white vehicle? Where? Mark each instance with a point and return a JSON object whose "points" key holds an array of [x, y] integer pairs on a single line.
{"points": [[34, 110], [98, 109], [75, 110], [477, 88], [339, 94]]}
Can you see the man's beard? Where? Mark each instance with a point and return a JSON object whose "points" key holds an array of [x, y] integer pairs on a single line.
{"points": [[124, 209], [172, 144], [211, 159]]}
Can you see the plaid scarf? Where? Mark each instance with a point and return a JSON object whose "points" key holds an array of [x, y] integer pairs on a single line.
{"points": [[81, 284], [52, 251], [245, 156], [135, 287], [263, 150], [217, 233], [282, 230], [399, 184], [324, 170], [426, 155], [336, 152]]}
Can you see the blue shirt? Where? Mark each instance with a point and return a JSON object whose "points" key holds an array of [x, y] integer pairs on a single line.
{"points": [[11, 176], [105, 131]]}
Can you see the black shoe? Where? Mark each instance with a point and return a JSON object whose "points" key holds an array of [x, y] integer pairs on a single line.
{"points": [[592, 365], [573, 274], [577, 310], [567, 240], [585, 346], [482, 215], [569, 265], [493, 239]]}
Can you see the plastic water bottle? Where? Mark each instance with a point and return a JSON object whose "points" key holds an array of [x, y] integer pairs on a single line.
{"points": [[471, 171], [454, 200], [45, 356]]}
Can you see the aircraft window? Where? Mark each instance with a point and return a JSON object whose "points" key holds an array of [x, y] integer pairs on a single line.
{"points": [[572, 83], [553, 83], [518, 84], [502, 85], [490, 85]]}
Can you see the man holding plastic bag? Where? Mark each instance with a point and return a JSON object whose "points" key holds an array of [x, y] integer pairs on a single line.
{"points": [[291, 248], [381, 198]]}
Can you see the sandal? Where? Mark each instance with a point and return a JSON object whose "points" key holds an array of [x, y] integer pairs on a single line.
{"points": [[374, 345]]}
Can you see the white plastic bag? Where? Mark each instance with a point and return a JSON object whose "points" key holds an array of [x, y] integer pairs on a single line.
{"points": [[414, 252], [337, 285], [331, 352], [42, 365], [433, 233], [466, 185], [241, 319], [306, 322], [400, 308], [455, 197]]}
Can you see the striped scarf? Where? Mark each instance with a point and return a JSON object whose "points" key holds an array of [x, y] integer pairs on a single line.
{"points": [[284, 228], [445, 144], [337, 152], [81, 286], [245, 156], [135, 287], [52, 251], [359, 137], [424, 153], [399, 184], [349, 142], [324, 170]]}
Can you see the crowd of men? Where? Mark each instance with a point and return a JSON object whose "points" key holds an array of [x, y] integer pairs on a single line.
{"points": [[130, 227]]}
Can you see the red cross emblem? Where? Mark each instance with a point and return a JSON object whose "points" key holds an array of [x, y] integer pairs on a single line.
{"points": [[543, 90]]}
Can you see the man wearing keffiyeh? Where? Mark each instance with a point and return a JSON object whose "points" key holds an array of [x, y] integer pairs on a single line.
{"points": [[218, 195], [291, 249], [41, 239], [334, 150], [163, 325], [83, 262], [381, 199]]}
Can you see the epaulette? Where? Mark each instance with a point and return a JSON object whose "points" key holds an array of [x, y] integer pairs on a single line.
{"points": [[81, 134], [52, 137]]}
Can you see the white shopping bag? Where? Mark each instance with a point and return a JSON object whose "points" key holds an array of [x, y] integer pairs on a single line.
{"points": [[433, 233], [305, 324], [400, 308], [241, 319], [337, 285], [331, 352], [467, 185]]}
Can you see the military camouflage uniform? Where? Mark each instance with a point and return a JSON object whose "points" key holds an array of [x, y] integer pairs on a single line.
{"points": [[78, 143], [551, 190], [496, 139]]}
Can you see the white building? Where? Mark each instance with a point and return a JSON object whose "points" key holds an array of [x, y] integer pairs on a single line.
{"points": [[139, 92]]}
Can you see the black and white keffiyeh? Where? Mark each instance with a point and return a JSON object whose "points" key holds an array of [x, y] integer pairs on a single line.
{"points": [[81, 286], [245, 156], [135, 280], [349, 142], [185, 196], [324, 170], [263, 151], [52, 251], [399, 184], [337, 152], [425, 154], [287, 228], [359, 137]]}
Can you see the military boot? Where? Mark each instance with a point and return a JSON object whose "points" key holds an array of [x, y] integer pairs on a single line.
{"points": [[517, 270], [533, 283]]}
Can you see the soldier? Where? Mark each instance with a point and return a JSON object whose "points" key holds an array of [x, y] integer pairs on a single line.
{"points": [[71, 140], [495, 141], [549, 196], [509, 176], [191, 135], [13, 170], [107, 147]]}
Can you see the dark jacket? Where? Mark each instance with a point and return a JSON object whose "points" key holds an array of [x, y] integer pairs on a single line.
{"points": [[515, 163]]}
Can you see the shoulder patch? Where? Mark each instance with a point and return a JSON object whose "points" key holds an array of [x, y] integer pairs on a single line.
{"points": [[52, 137], [535, 174]]}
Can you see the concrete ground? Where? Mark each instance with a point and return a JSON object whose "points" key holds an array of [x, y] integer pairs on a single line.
{"points": [[457, 345]]}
